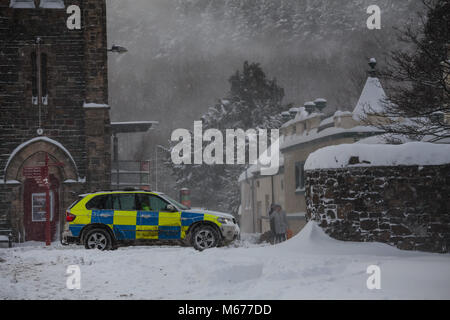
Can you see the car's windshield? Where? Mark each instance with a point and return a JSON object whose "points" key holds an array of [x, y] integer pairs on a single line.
{"points": [[176, 203]]}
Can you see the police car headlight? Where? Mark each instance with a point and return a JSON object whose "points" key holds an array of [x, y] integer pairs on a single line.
{"points": [[225, 220]]}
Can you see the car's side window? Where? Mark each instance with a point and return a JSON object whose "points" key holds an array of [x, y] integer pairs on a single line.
{"points": [[102, 202], [115, 202], [148, 202], [107, 203], [157, 204], [127, 202], [143, 202]]}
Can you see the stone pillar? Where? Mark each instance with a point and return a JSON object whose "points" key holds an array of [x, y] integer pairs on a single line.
{"points": [[98, 148], [96, 51], [97, 117]]}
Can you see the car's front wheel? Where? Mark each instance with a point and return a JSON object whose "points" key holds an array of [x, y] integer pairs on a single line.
{"points": [[204, 237], [98, 239]]}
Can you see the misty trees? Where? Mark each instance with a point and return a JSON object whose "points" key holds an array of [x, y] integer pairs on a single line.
{"points": [[419, 80], [253, 102]]}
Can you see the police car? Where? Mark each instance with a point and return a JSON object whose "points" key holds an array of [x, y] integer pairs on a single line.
{"points": [[103, 220]]}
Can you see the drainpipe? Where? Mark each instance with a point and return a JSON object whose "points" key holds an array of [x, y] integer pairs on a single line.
{"points": [[273, 191], [253, 205]]}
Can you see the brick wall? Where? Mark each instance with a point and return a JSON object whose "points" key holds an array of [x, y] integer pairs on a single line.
{"points": [[404, 206], [63, 118], [77, 73]]}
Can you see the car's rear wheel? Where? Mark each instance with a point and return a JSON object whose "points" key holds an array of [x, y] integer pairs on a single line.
{"points": [[204, 237], [98, 239]]}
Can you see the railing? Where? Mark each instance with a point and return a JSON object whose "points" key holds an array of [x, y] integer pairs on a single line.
{"points": [[131, 174]]}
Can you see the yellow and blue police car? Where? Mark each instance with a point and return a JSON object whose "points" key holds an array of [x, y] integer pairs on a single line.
{"points": [[104, 220]]}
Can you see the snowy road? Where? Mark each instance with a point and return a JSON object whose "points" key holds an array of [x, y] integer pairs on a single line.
{"points": [[309, 266]]}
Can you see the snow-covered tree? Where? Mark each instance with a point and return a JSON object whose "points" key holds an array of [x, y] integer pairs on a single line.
{"points": [[253, 102]]}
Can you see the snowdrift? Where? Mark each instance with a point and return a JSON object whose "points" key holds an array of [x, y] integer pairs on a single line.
{"points": [[313, 240]]}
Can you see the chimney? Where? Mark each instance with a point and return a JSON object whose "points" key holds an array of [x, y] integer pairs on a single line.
{"points": [[321, 104], [310, 106], [293, 112], [372, 63], [286, 116]]}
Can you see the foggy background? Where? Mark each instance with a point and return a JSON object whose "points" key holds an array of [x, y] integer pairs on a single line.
{"points": [[182, 53]]}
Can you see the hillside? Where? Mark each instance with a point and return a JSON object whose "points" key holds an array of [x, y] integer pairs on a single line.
{"points": [[182, 52]]}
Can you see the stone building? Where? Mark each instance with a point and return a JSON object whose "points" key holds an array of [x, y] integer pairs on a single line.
{"points": [[258, 192], [53, 100], [309, 129]]}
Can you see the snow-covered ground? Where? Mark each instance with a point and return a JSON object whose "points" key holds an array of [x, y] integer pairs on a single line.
{"points": [[309, 266]]}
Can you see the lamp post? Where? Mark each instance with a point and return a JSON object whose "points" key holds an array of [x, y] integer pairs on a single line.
{"points": [[156, 164], [119, 50]]}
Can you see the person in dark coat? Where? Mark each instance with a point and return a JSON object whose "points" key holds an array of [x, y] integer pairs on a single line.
{"points": [[280, 223]]}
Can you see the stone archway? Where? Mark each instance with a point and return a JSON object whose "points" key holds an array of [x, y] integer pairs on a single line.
{"points": [[25, 209], [14, 165]]}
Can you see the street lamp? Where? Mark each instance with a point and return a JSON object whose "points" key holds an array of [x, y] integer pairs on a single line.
{"points": [[118, 49], [156, 163]]}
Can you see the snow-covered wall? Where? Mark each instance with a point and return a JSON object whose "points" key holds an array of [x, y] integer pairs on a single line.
{"points": [[408, 154], [405, 205]]}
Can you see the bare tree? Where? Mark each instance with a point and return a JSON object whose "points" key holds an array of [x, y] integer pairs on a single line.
{"points": [[418, 81]]}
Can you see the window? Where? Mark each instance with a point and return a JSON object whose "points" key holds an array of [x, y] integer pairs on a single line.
{"points": [[39, 72], [100, 203], [52, 4], [34, 77], [124, 202], [147, 202], [44, 79], [300, 176], [22, 4], [39, 207]]}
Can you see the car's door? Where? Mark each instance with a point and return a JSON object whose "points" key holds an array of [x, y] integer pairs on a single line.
{"points": [[169, 222], [147, 218], [125, 216], [101, 210]]}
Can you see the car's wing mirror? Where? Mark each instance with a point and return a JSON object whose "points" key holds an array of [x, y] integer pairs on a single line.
{"points": [[171, 208]]}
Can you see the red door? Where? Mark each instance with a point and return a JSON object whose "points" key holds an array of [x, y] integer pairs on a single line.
{"points": [[35, 209]]}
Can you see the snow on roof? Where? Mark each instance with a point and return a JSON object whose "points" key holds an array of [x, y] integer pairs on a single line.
{"points": [[249, 173], [95, 105], [52, 4], [371, 100], [46, 139], [17, 4], [9, 182], [134, 122], [292, 140], [408, 154], [327, 121], [340, 113]]}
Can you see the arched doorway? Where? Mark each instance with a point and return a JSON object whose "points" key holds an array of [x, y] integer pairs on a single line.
{"points": [[29, 213], [34, 204]]}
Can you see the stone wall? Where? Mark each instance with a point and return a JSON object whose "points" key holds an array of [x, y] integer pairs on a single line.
{"points": [[404, 206], [77, 73]]}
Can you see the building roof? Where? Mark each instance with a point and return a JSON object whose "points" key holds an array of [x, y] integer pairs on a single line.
{"points": [[372, 99], [257, 168]]}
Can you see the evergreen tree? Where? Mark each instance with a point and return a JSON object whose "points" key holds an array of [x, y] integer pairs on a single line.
{"points": [[254, 102]]}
